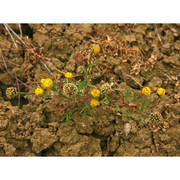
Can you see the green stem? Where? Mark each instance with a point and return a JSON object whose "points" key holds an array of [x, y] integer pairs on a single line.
{"points": [[21, 93]]}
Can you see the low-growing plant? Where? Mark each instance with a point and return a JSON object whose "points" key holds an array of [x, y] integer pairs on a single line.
{"points": [[134, 103], [78, 93]]}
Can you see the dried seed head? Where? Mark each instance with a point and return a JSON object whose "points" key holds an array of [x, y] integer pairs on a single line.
{"points": [[154, 117], [11, 92], [106, 87], [127, 129], [69, 89]]}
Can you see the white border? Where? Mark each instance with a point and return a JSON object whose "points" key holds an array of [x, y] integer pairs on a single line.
{"points": [[94, 11], [89, 168], [90, 11]]}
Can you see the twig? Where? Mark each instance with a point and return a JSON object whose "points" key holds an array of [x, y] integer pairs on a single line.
{"points": [[20, 30], [5, 65], [12, 63], [10, 29], [133, 79], [156, 30], [11, 36], [19, 99], [42, 62]]}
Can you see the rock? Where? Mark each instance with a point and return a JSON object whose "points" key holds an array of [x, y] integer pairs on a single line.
{"points": [[9, 150], [113, 143], [3, 123], [67, 134], [83, 125], [103, 125], [143, 138], [41, 39], [42, 139], [5, 79], [155, 83], [145, 152], [177, 45], [127, 149], [172, 59], [71, 64], [169, 150], [130, 38], [165, 138], [86, 146], [57, 63], [166, 49]]}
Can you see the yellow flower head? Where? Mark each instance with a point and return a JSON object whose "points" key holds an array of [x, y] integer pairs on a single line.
{"points": [[68, 75], [94, 103], [146, 91], [39, 91], [47, 83], [95, 93], [96, 48], [161, 91]]}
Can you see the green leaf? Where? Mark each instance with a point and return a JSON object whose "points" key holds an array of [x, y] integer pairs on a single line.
{"points": [[82, 69], [117, 108], [127, 94], [144, 105], [135, 97], [141, 119], [129, 114]]}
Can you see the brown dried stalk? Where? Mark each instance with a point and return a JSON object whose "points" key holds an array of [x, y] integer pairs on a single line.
{"points": [[5, 65], [26, 45], [156, 30]]}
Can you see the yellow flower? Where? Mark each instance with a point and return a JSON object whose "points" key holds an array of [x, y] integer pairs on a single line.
{"points": [[161, 91], [43, 80], [68, 75], [146, 91], [94, 103], [47, 83], [95, 93], [39, 91], [96, 48]]}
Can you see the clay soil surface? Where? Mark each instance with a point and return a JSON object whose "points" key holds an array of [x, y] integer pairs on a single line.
{"points": [[132, 56]]}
